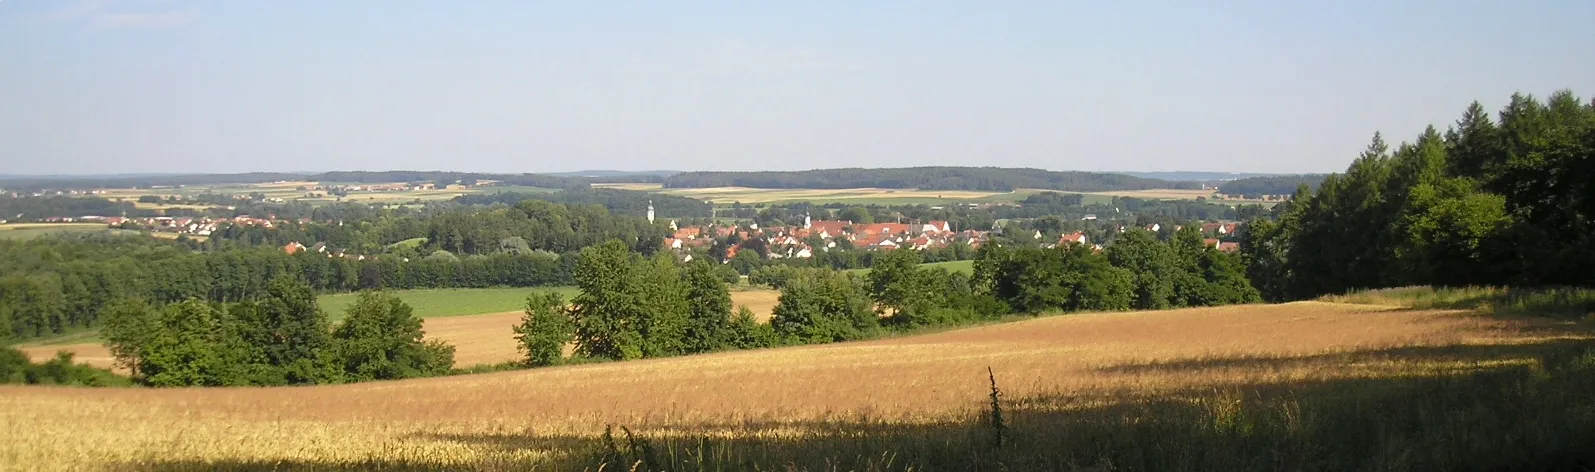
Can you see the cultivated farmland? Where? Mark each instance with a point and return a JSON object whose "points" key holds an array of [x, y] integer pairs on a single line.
{"points": [[34, 230], [1303, 385]]}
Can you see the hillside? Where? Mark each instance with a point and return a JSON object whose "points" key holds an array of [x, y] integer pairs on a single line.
{"points": [[996, 179], [146, 181], [1271, 185], [1209, 389]]}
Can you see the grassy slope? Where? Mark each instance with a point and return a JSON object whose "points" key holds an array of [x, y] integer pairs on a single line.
{"points": [[433, 303]]}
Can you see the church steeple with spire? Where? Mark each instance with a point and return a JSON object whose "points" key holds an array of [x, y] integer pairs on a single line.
{"points": [[650, 211]]}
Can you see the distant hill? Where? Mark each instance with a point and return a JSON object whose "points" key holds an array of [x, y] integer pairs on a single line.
{"points": [[614, 173], [1196, 176], [996, 179], [1271, 185], [89, 182]]}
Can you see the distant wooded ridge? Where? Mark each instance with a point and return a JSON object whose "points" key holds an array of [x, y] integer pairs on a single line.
{"points": [[1272, 185], [119, 181], [928, 178], [996, 179]]}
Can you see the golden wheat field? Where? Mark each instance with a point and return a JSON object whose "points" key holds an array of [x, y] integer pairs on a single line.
{"points": [[466, 421]]}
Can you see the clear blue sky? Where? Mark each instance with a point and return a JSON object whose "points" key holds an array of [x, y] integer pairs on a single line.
{"points": [[528, 86]]}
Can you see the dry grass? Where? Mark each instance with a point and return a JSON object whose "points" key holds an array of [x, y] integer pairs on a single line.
{"points": [[921, 380]]}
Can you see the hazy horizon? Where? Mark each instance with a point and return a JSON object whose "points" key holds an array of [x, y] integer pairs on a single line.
{"points": [[174, 86]]}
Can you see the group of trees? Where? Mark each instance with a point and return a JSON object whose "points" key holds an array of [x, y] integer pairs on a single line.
{"points": [[996, 179], [1508, 201], [279, 338], [28, 208], [54, 285], [632, 306], [1137, 271]]}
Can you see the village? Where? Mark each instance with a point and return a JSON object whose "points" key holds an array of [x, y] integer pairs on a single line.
{"points": [[824, 235]]}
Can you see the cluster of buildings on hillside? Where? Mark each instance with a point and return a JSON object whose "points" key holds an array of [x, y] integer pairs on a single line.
{"points": [[815, 236], [803, 241], [202, 226], [393, 187], [48, 193]]}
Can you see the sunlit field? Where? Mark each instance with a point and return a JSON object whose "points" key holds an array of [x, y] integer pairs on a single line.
{"points": [[1304, 385], [34, 230]]}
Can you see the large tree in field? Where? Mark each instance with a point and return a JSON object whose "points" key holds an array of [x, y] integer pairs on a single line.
{"points": [[129, 328], [189, 349], [629, 307], [1152, 264], [381, 339], [894, 279], [709, 305], [544, 329], [822, 307], [606, 311], [286, 329]]}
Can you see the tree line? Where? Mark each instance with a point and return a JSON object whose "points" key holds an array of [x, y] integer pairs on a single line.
{"points": [[628, 202], [28, 208], [632, 306], [280, 337], [995, 179], [1253, 187], [1505, 201], [59, 284]]}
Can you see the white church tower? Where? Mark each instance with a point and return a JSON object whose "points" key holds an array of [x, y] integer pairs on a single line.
{"points": [[650, 211], [807, 223]]}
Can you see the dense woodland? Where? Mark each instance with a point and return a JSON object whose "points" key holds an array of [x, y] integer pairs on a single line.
{"points": [[1254, 187], [628, 202], [994, 179], [1506, 201], [35, 208]]}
